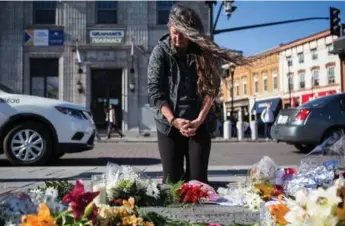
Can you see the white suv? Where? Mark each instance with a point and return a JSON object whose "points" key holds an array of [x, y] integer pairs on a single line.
{"points": [[36, 130]]}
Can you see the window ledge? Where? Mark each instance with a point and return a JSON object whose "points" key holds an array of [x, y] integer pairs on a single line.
{"points": [[44, 26]]}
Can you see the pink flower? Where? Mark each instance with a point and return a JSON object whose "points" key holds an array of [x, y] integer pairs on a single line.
{"points": [[214, 225]]}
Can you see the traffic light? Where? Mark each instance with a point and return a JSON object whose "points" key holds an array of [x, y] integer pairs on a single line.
{"points": [[334, 21], [229, 8]]}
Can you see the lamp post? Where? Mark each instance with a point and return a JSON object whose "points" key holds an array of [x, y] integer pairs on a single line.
{"points": [[232, 72], [289, 78], [131, 71]]}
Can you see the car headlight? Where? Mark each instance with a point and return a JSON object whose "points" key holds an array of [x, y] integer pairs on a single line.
{"points": [[72, 112]]}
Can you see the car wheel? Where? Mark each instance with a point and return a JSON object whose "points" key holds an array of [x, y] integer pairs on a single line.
{"points": [[304, 148], [28, 144]]}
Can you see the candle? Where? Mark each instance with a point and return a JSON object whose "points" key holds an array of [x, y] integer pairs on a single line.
{"points": [[99, 185], [101, 198]]}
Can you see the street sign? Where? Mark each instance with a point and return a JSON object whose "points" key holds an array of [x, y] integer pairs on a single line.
{"points": [[43, 37]]}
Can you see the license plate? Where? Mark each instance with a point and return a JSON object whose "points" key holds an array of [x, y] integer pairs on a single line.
{"points": [[282, 119]]}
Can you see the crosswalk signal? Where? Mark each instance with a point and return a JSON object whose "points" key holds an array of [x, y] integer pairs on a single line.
{"points": [[334, 21]]}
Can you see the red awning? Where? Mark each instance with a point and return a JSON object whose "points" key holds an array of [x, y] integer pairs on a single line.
{"points": [[307, 97]]}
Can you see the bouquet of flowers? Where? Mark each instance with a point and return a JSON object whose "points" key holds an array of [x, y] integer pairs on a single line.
{"points": [[192, 193], [315, 207], [124, 182]]}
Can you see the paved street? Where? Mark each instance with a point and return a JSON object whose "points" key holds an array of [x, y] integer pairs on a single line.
{"points": [[228, 162], [146, 154]]}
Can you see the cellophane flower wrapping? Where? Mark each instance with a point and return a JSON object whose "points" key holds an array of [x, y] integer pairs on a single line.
{"points": [[263, 171], [14, 205], [121, 179], [318, 168]]}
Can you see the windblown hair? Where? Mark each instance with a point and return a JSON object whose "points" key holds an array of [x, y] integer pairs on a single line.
{"points": [[210, 57]]}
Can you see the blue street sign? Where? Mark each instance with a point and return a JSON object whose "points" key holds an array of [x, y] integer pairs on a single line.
{"points": [[56, 37]]}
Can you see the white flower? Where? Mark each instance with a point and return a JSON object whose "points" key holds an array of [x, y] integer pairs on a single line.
{"points": [[152, 190], [9, 223], [340, 182], [321, 202], [326, 221], [52, 192], [296, 216]]}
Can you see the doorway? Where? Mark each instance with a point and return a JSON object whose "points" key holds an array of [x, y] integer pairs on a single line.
{"points": [[106, 89]]}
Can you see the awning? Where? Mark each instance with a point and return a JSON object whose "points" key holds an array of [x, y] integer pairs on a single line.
{"points": [[259, 106]]}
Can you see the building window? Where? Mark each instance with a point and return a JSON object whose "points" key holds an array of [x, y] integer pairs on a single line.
{"points": [[106, 12], [275, 79], [237, 87], [244, 81], [300, 58], [301, 76], [44, 74], [163, 10], [289, 61], [314, 54], [315, 78], [329, 49], [231, 90], [264, 75], [290, 81], [330, 75], [256, 83], [44, 12]]}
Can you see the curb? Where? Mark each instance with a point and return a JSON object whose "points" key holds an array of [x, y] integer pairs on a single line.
{"points": [[119, 140]]}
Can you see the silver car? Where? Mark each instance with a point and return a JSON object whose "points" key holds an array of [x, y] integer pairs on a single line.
{"points": [[310, 124]]}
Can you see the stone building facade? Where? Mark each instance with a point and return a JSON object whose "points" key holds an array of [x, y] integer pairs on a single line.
{"points": [[86, 52]]}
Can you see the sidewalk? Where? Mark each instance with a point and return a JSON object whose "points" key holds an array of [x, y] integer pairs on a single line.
{"points": [[153, 139]]}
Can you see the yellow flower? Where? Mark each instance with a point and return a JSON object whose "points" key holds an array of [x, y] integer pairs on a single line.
{"points": [[43, 217], [130, 203], [130, 220], [278, 212]]}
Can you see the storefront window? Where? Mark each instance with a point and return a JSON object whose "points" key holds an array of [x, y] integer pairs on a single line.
{"points": [[44, 75]]}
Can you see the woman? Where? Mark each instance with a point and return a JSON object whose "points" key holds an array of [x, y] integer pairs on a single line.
{"points": [[112, 123], [183, 80]]}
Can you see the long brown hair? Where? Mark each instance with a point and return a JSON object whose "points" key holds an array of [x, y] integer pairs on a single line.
{"points": [[209, 61]]}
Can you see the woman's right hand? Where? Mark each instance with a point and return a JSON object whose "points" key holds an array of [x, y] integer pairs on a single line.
{"points": [[178, 123]]}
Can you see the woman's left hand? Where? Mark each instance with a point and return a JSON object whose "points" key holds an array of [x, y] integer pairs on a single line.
{"points": [[190, 130]]}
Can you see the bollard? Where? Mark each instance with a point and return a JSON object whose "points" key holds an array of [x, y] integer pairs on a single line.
{"points": [[240, 132], [227, 129], [254, 130]]}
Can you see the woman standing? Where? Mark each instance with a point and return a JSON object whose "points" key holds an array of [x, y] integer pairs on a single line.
{"points": [[183, 80]]}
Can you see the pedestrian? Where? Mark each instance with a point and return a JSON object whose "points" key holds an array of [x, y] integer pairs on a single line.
{"points": [[267, 118], [112, 123], [183, 80]]}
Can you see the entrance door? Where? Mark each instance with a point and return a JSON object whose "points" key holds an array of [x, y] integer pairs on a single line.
{"points": [[106, 89]]}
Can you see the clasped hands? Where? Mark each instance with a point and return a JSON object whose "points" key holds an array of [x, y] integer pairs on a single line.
{"points": [[186, 127]]}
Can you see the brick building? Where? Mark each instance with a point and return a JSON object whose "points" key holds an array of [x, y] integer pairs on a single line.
{"points": [[86, 52], [254, 84], [309, 69]]}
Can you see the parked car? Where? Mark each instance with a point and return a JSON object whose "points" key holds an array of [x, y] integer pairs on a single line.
{"points": [[36, 130], [310, 124]]}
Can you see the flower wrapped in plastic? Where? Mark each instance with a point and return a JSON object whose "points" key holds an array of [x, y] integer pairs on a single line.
{"points": [[14, 205], [263, 171], [125, 181], [318, 168]]}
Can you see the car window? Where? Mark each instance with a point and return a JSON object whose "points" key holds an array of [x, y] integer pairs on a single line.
{"points": [[6, 89]]}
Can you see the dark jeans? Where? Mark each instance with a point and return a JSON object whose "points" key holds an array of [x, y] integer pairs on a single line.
{"points": [[174, 148], [111, 126], [268, 129]]}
